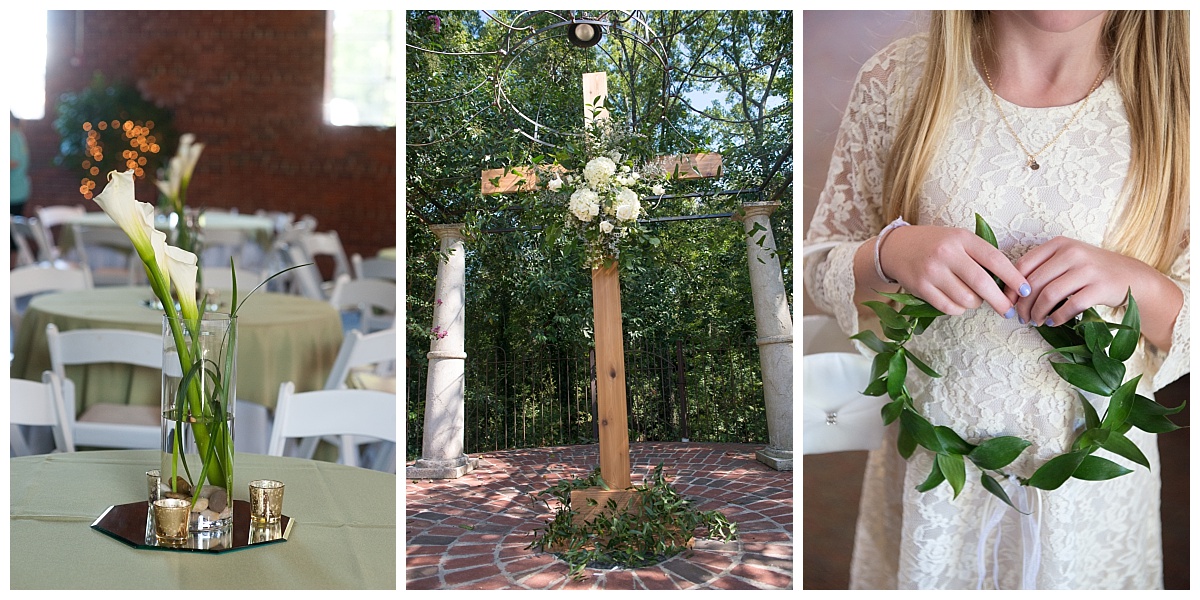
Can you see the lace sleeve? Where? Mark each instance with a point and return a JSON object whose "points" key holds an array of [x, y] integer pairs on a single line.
{"points": [[850, 208], [1176, 362]]}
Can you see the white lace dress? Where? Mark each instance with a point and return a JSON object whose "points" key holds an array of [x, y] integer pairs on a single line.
{"points": [[995, 380]]}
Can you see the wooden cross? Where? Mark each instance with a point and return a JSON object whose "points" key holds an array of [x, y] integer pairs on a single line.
{"points": [[606, 293]]}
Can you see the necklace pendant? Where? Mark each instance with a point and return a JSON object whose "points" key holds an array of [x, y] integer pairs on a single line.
{"points": [[1033, 165]]}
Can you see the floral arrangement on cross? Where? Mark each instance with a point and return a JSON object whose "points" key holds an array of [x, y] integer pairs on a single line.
{"points": [[600, 203]]}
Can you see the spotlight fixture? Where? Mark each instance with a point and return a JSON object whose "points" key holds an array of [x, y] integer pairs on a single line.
{"points": [[584, 35]]}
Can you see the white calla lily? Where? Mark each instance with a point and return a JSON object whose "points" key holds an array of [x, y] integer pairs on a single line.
{"points": [[118, 202], [182, 266], [189, 154]]}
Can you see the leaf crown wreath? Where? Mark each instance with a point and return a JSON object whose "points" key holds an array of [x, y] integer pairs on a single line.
{"points": [[1095, 352]]}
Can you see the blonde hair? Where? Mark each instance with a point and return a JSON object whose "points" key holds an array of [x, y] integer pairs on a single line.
{"points": [[1149, 57]]}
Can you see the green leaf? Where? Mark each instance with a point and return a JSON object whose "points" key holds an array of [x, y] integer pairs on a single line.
{"points": [[898, 335], [1062, 336], [1083, 377], [920, 364], [878, 387], [921, 430], [954, 468], [1057, 470], [1109, 370], [1122, 446], [1125, 341], [1150, 416], [872, 341], [897, 371], [934, 479], [996, 489], [1120, 404], [879, 364], [1089, 439], [887, 315], [923, 323], [1096, 336], [905, 442], [983, 230], [1076, 354], [1095, 468], [904, 299], [921, 310], [1090, 418], [951, 441], [998, 452], [891, 411]]}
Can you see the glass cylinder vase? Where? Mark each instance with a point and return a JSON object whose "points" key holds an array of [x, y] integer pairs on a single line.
{"points": [[199, 378]]}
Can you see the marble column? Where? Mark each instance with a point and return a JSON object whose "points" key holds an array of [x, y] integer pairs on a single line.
{"points": [[773, 319], [442, 454]]}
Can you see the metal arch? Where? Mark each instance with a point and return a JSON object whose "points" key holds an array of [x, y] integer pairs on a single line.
{"points": [[513, 50]]}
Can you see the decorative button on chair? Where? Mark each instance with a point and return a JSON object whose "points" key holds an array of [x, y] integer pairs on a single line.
{"points": [[34, 404], [837, 416]]}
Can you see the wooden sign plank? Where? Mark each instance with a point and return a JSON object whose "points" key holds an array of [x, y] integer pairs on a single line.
{"points": [[692, 166], [707, 164]]}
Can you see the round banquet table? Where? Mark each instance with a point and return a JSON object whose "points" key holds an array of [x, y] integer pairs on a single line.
{"points": [[343, 537], [281, 338], [257, 228]]}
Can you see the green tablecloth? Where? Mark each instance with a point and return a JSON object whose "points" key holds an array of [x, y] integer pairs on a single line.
{"points": [[280, 338], [344, 536]]}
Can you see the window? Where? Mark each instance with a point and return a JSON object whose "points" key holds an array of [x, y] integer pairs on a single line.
{"points": [[27, 76], [360, 87]]}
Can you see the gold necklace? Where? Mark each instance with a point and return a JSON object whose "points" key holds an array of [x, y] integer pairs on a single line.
{"points": [[1032, 163]]}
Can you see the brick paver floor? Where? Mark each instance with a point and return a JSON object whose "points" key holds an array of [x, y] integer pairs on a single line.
{"points": [[471, 532]]}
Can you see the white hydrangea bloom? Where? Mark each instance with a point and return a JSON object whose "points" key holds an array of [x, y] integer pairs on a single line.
{"points": [[599, 170], [585, 204]]}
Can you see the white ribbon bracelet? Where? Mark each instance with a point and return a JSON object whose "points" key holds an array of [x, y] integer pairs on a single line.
{"points": [[900, 222]]}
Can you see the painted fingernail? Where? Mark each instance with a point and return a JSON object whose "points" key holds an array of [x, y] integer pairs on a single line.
{"points": [[1012, 312], [1022, 321], [1049, 322], [1025, 289]]}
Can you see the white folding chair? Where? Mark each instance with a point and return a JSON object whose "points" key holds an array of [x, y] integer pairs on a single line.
{"points": [[317, 244], [217, 246], [112, 423], [108, 255], [32, 404], [26, 282], [26, 241], [53, 216], [367, 413], [373, 300], [365, 361], [374, 267]]}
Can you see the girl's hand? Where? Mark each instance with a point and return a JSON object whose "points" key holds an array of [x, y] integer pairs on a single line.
{"points": [[945, 266], [1078, 273]]}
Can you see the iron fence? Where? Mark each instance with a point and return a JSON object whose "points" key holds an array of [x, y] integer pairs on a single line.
{"points": [[674, 391]]}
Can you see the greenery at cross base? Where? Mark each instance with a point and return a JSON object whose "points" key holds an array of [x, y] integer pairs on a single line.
{"points": [[105, 101], [658, 525], [526, 295]]}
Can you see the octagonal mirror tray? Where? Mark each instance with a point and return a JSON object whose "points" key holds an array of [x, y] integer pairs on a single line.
{"points": [[133, 524]]}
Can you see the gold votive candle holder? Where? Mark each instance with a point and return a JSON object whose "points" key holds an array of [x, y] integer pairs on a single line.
{"points": [[266, 500], [171, 519]]}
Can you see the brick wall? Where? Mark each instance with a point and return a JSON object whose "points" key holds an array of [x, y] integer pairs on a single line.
{"points": [[250, 85]]}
